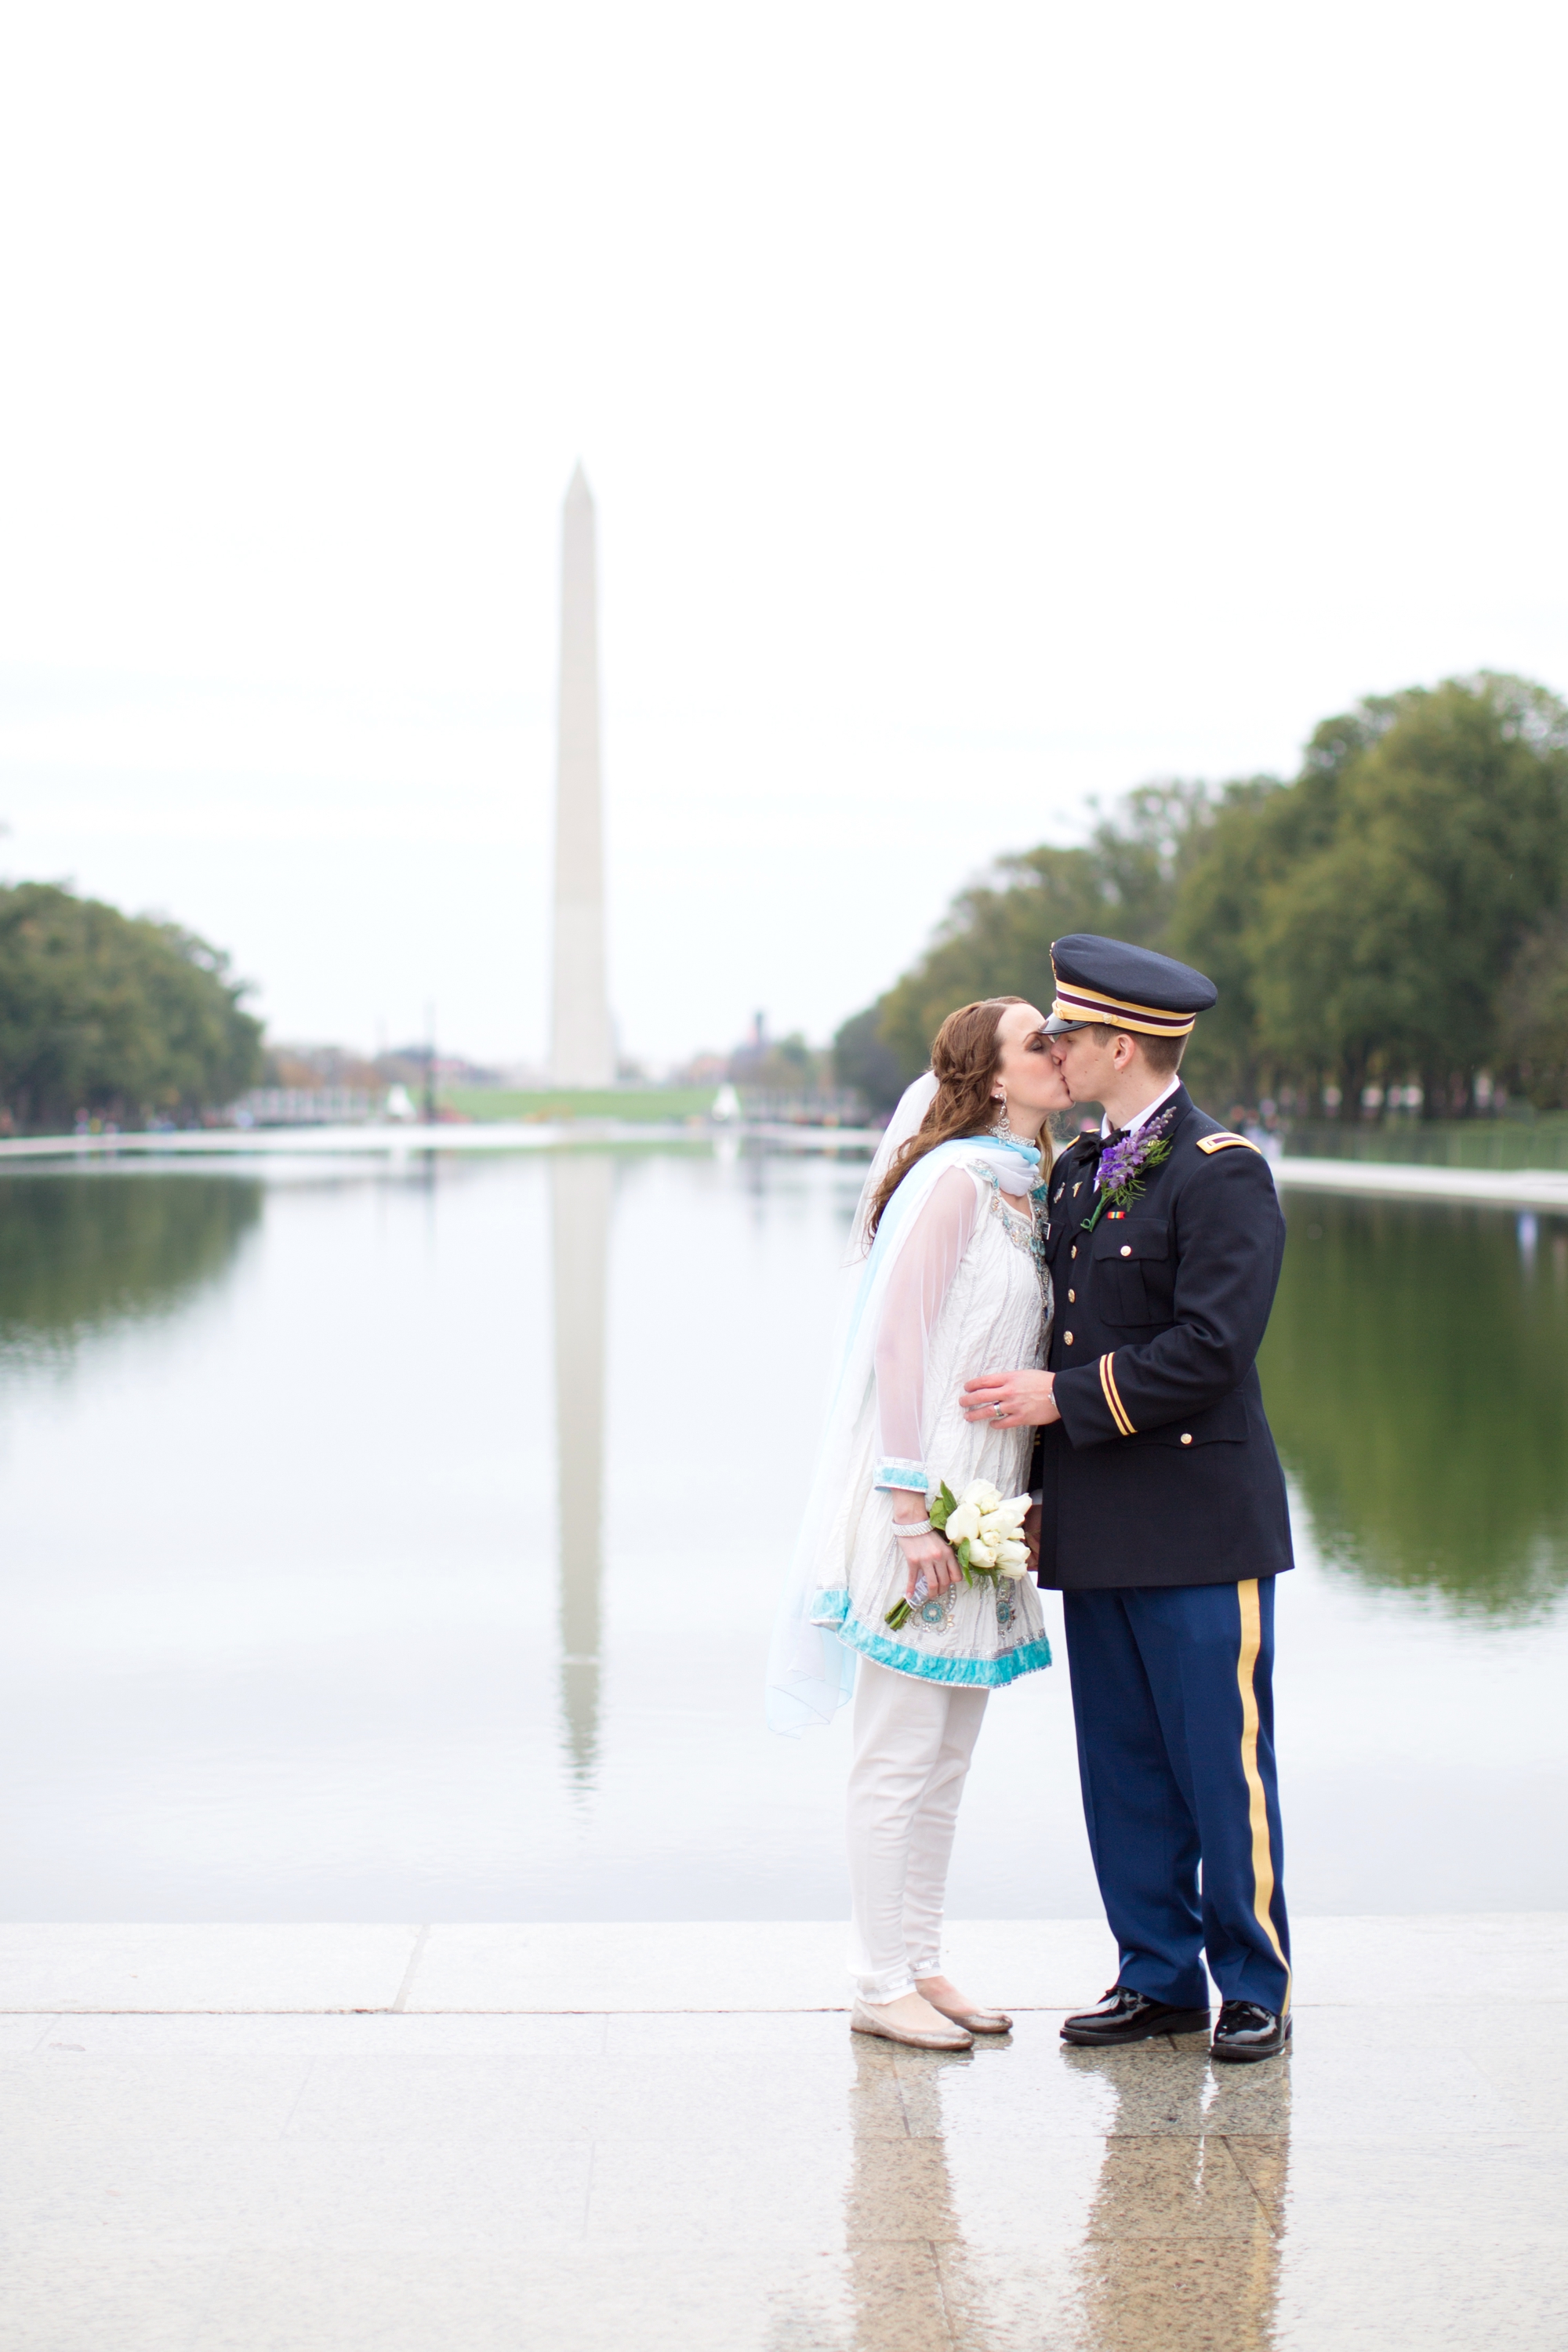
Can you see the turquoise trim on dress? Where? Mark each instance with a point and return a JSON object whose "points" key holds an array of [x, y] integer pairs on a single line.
{"points": [[832, 1607]]}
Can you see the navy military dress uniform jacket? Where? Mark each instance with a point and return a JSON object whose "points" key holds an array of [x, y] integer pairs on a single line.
{"points": [[1162, 1470]]}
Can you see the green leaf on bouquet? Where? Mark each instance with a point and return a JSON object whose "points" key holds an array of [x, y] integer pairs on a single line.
{"points": [[942, 1509]]}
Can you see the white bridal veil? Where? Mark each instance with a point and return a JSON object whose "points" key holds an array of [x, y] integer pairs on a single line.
{"points": [[894, 1287]]}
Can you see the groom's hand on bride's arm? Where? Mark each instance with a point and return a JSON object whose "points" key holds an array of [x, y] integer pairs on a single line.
{"points": [[1026, 1399]]}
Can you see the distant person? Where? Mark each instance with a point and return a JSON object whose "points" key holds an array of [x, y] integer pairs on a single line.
{"points": [[1163, 1515], [948, 1277]]}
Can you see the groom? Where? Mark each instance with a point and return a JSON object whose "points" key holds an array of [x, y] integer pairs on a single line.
{"points": [[1163, 1514]]}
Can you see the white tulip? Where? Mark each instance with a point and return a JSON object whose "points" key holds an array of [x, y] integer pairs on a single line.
{"points": [[1015, 1569], [1014, 1511], [964, 1521], [982, 1495], [1013, 1556], [982, 1555]]}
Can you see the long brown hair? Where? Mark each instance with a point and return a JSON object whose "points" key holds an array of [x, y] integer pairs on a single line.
{"points": [[965, 1057]]}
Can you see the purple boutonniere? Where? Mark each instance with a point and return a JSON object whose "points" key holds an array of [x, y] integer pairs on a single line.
{"points": [[1124, 1163]]}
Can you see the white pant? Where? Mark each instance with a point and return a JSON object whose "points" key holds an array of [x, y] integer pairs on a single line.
{"points": [[913, 1740]]}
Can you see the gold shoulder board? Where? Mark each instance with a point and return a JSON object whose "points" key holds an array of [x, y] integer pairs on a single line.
{"points": [[1224, 1143]]}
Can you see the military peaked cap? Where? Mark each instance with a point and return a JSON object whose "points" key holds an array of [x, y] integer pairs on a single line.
{"points": [[1124, 987]]}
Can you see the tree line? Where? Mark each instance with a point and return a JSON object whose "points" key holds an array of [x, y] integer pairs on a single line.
{"points": [[1389, 926], [119, 1016]]}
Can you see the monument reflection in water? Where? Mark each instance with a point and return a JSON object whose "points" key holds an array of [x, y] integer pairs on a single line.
{"points": [[290, 1634], [581, 1191]]}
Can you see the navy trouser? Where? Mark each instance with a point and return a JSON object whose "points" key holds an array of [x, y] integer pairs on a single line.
{"points": [[1173, 1689]]}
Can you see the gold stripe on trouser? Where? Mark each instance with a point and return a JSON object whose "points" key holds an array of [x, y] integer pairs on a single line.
{"points": [[1257, 1802], [1109, 1390]]}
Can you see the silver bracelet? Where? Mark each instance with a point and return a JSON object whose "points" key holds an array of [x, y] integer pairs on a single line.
{"points": [[911, 1526]]}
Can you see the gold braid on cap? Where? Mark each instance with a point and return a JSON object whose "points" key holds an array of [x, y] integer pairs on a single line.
{"points": [[1075, 1001]]}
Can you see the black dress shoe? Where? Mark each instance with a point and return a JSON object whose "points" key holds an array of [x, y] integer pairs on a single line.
{"points": [[1247, 2031], [1124, 2015]]}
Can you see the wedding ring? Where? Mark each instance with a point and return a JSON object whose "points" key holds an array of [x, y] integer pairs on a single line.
{"points": [[1001, 1411]]}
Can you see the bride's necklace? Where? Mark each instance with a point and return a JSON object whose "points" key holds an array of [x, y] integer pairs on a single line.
{"points": [[1003, 1134], [1024, 1233]]}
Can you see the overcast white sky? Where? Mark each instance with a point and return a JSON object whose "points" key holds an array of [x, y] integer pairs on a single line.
{"points": [[986, 407]]}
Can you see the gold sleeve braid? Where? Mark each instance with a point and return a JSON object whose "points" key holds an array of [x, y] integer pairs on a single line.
{"points": [[1112, 1397]]}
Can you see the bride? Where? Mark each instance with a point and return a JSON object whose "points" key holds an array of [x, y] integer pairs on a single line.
{"points": [[949, 1278]]}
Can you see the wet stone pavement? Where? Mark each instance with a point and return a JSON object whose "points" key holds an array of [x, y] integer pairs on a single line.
{"points": [[523, 2182]]}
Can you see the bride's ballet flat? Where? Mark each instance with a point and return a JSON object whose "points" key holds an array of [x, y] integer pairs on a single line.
{"points": [[951, 2003], [911, 2019]]}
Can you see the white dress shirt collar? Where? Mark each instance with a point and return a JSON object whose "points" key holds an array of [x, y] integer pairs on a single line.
{"points": [[1166, 1091]]}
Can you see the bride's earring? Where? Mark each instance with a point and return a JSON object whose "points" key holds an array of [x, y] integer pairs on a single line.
{"points": [[1002, 1131]]}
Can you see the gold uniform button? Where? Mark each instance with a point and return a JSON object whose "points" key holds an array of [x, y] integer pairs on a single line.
{"points": [[1126, 1249], [1067, 1339], [1186, 1437], [1072, 1298], [1073, 1251]]}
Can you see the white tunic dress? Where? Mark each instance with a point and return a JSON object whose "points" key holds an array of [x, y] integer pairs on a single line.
{"points": [[974, 1299]]}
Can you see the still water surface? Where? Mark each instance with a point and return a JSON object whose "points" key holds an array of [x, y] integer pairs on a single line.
{"points": [[401, 1543]]}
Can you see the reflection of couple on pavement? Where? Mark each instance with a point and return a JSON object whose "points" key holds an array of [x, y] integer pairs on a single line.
{"points": [[1174, 2242], [1087, 1330]]}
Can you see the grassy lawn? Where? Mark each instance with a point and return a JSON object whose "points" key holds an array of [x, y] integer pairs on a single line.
{"points": [[641, 1104]]}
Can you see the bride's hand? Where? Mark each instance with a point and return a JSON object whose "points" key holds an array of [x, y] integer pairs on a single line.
{"points": [[1026, 1399], [932, 1556]]}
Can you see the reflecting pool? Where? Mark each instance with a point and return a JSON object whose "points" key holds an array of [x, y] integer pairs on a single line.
{"points": [[400, 1542], [1417, 1367]]}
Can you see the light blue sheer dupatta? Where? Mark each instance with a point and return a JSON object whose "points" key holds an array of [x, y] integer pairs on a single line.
{"points": [[811, 1673]]}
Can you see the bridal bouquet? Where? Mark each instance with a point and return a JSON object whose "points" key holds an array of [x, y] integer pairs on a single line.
{"points": [[986, 1532]]}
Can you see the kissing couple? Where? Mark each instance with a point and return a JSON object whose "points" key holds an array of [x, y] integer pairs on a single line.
{"points": [[1047, 1370]]}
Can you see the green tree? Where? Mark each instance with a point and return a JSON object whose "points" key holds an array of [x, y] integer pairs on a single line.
{"points": [[862, 1058], [113, 1014], [1396, 913], [996, 940], [1534, 1031], [1379, 951], [1238, 842]]}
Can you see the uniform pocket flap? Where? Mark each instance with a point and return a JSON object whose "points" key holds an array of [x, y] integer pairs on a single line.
{"points": [[1127, 1241]]}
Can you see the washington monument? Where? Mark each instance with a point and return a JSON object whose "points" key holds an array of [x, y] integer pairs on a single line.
{"points": [[582, 1049]]}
